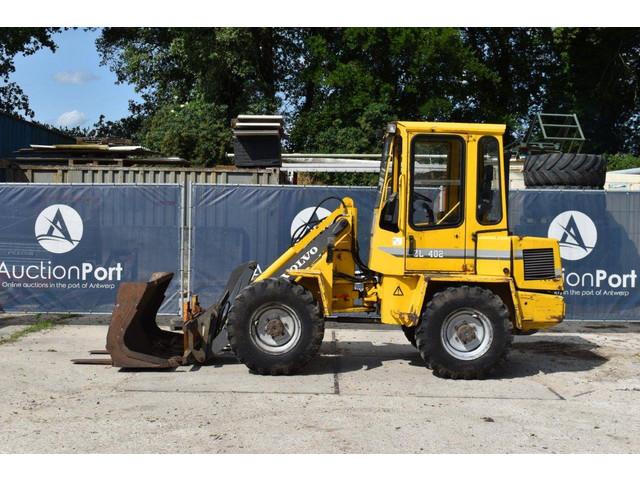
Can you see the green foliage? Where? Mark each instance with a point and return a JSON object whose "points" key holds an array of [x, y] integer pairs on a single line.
{"points": [[128, 127], [338, 87], [622, 161], [194, 130], [521, 61], [338, 178], [24, 41], [216, 73], [598, 77], [350, 82], [39, 326]]}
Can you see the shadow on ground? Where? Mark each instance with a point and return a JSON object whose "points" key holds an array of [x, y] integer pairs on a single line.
{"points": [[537, 354], [551, 354]]}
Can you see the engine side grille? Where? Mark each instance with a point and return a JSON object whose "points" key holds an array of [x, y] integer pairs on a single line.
{"points": [[538, 264]]}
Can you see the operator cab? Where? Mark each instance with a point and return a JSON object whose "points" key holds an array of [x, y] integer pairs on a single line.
{"points": [[440, 184]]}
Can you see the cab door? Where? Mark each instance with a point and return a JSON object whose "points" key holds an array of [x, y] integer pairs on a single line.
{"points": [[435, 228]]}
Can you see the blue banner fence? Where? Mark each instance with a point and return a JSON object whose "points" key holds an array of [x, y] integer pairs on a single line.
{"points": [[599, 233], [66, 248]]}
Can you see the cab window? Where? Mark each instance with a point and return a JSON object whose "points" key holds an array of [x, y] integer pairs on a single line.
{"points": [[389, 187], [436, 185], [489, 201], [385, 162]]}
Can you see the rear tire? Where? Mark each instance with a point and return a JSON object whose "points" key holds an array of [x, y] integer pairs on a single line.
{"points": [[275, 327], [464, 333], [568, 170]]}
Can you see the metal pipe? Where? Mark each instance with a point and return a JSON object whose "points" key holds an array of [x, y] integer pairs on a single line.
{"points": [[634, 171]]}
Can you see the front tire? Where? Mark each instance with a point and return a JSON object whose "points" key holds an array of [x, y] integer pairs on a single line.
{"points": [[465, 332], [275, 327]]}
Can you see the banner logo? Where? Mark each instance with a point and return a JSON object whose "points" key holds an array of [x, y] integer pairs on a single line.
{"points": [[58, 228], [303, 217], [576, 233]]}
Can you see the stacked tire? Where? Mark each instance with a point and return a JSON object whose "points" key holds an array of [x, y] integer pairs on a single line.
{"points": [[566, 170]]}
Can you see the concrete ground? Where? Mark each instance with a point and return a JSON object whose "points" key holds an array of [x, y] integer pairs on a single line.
{"points": [[576, 389]]}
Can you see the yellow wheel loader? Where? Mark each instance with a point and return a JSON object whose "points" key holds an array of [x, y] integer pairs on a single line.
{"points": [[442, 265]]}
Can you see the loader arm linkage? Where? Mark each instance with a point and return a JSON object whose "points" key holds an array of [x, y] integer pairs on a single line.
{"points": [[134, 339]]}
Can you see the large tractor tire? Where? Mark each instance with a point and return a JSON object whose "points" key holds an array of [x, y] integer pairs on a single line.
{"points": [[568, 170], [275, 327], [464, 333]]}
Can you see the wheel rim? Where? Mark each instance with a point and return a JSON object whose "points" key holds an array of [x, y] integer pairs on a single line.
{"points": [[275, 328], [466, 334]]}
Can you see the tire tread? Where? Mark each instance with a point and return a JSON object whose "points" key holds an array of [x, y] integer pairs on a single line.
{"points": [[572, 170], [440, 300], [274, 287]]}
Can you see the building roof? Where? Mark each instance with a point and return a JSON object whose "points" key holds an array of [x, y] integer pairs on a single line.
{"points": [[16, 133], [96, 154]]}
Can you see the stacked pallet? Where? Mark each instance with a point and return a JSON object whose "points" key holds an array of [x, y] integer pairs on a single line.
{"points": [[256, 140]]}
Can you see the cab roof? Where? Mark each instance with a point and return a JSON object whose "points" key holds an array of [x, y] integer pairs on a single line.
{"points": [[449, 127]]}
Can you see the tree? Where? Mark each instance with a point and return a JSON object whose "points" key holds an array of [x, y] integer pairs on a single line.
{"points": [[14, 41], [194, 130], [127, 127], [521, 61], [221, 71], [351, 81], [598, 77], [337, 87]]}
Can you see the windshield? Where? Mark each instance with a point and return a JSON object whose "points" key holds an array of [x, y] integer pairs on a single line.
{"points": [[436, 193]]}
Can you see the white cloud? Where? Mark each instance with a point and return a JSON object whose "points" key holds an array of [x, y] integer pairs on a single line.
{"points": [[74, 78], [71, 119]]}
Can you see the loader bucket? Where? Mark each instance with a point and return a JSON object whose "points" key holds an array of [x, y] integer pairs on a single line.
{"points": [[134, 339]]}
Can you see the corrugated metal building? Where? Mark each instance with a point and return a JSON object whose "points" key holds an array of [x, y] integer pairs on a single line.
{"points": [[16, 133]]}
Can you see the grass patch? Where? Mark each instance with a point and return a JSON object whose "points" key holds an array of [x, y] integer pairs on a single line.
{"points": [[39, 326]]}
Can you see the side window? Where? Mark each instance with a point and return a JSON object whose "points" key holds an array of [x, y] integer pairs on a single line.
{"points": [[385, 163], [436, 189], [388, 180], [397, 159], [489, 198], [392, 185], [389, 187]]}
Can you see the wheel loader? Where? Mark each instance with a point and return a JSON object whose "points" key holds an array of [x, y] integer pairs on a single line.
{"points": [[443, 266]]}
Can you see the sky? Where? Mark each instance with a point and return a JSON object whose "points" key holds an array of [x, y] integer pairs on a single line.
{"points": [[69, 88]]}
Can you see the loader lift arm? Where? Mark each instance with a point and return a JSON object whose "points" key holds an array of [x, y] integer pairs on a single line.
{"points": [[135, 341]]}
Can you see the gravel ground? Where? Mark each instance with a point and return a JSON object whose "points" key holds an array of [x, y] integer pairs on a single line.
{"points": [[575, 389]]}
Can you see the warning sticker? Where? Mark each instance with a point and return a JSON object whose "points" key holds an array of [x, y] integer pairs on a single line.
{"points": [[398, 292]]}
